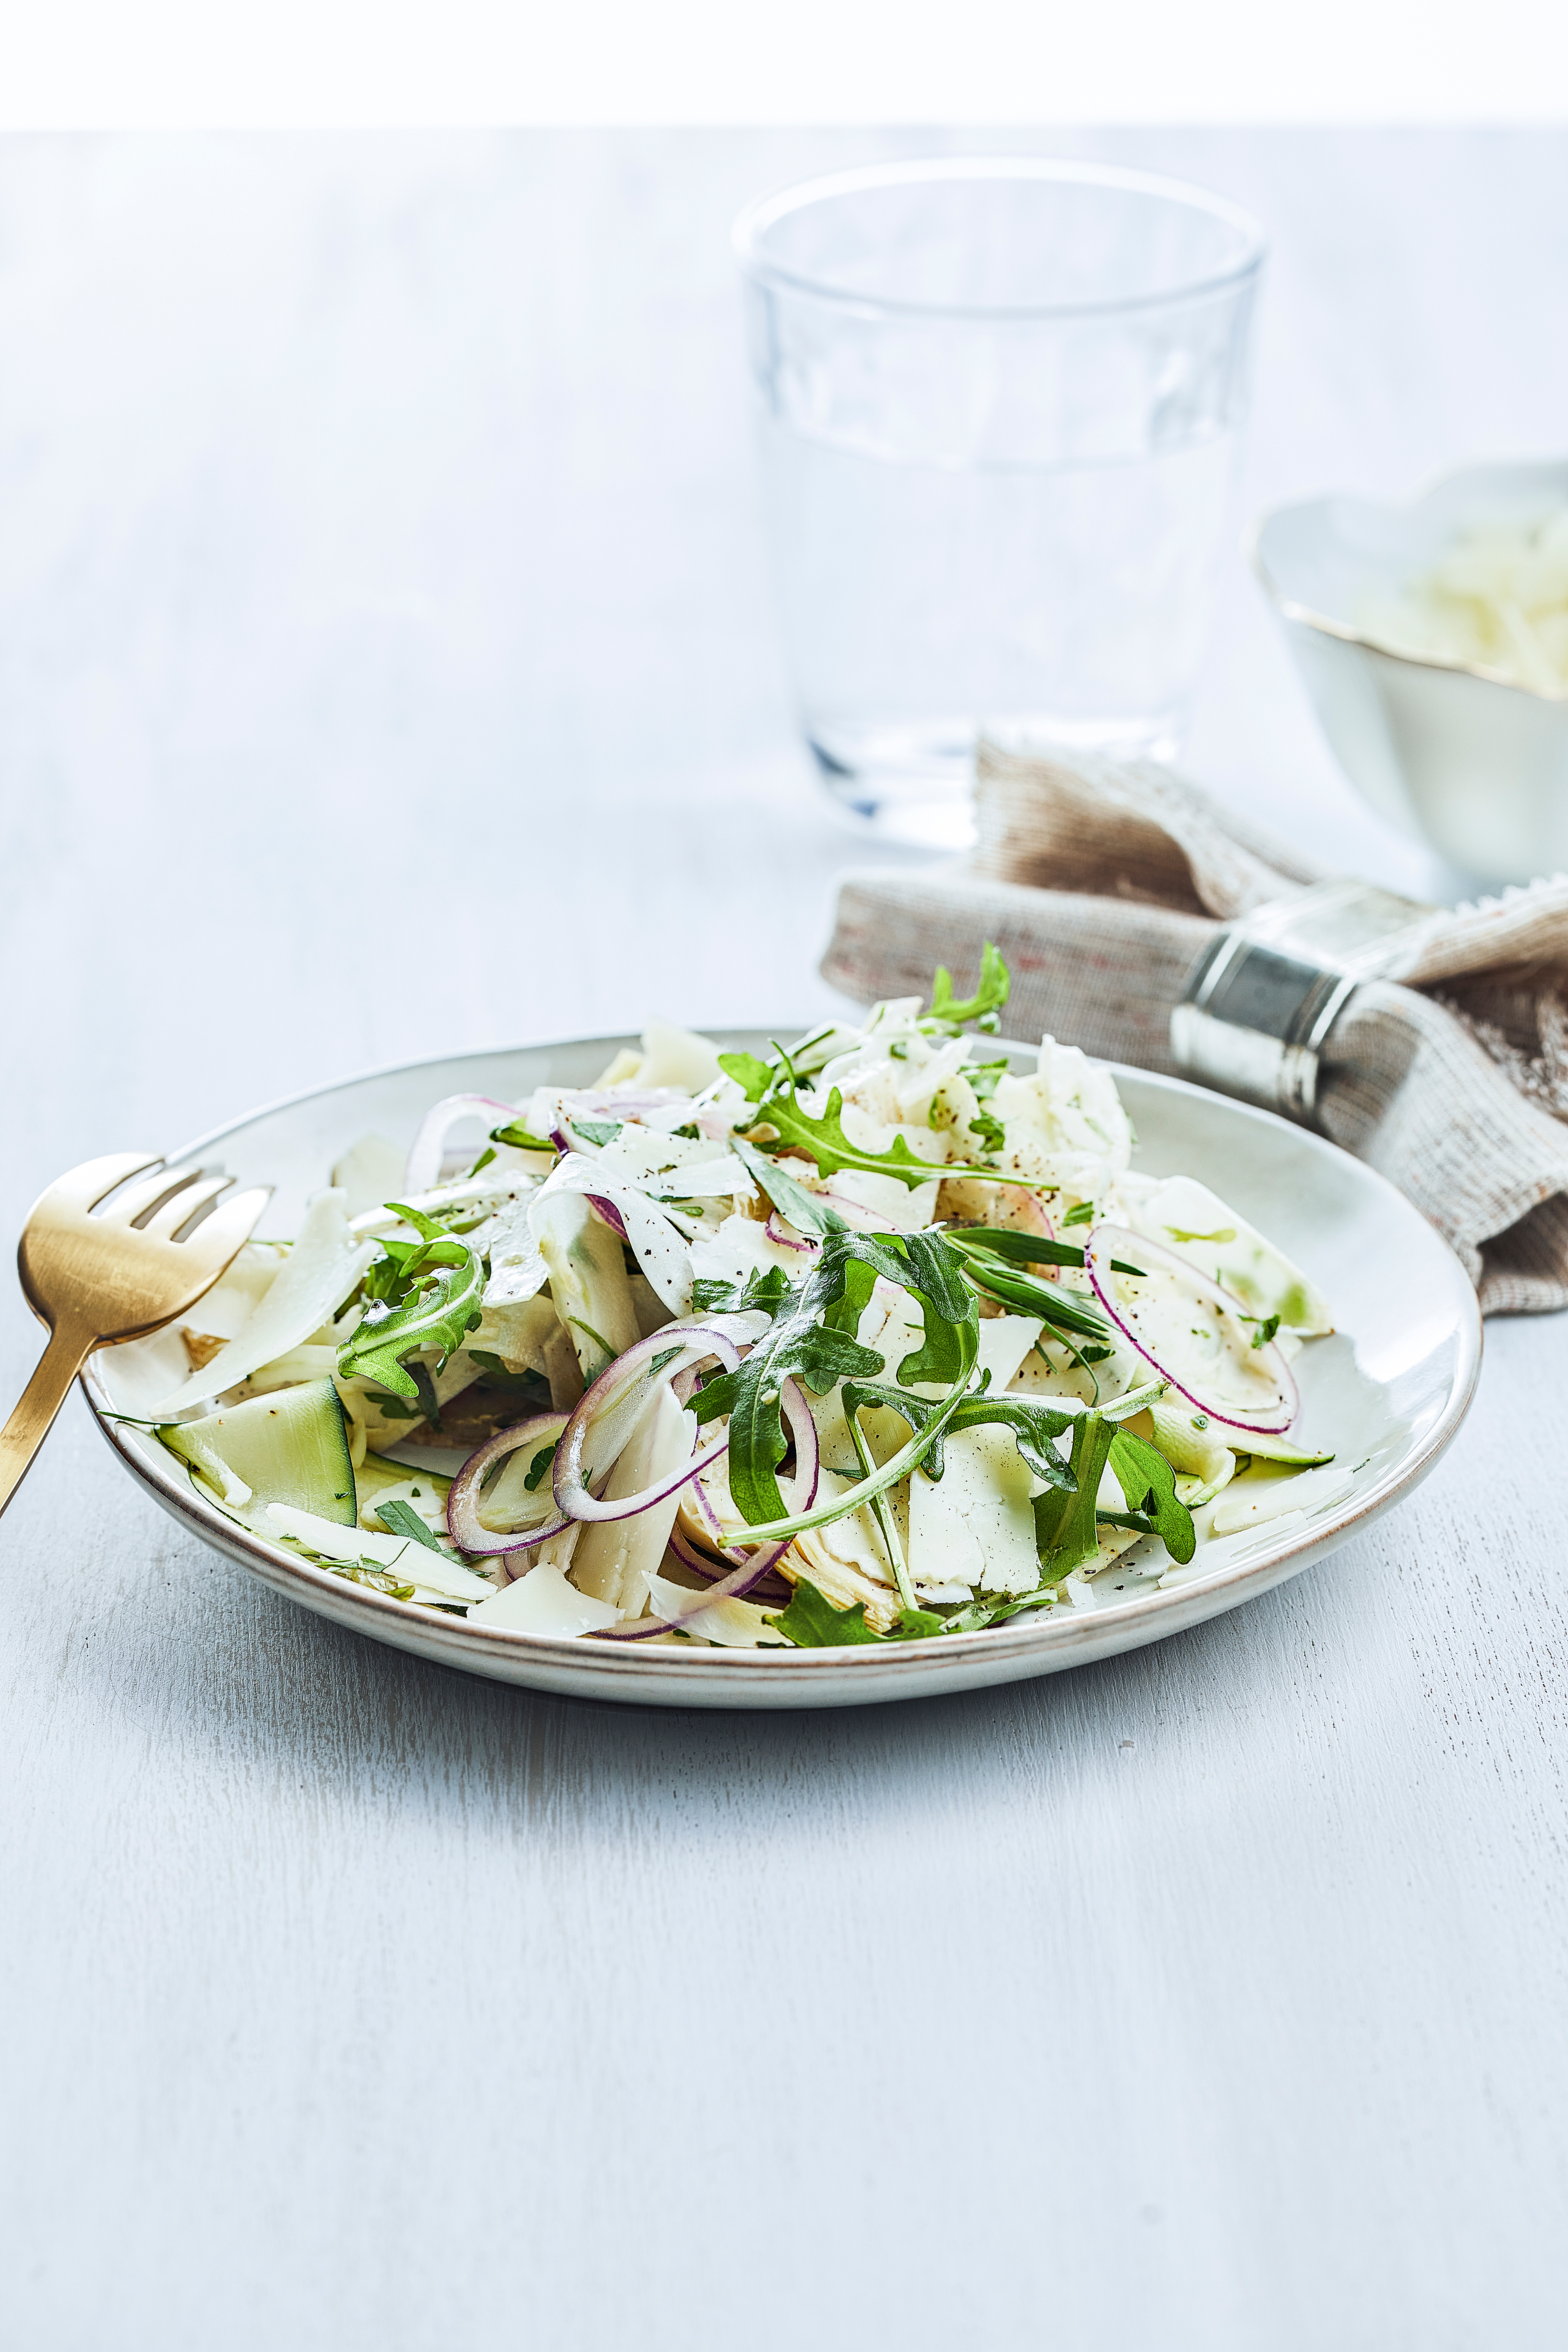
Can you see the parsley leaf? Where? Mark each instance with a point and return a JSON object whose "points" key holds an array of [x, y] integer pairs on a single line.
{"points": [[538, 1466]]}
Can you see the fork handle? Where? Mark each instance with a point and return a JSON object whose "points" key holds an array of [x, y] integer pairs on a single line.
{"points": [[41, 1398]]}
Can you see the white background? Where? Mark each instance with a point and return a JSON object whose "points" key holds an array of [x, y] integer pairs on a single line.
{"points": [[94, 63]]}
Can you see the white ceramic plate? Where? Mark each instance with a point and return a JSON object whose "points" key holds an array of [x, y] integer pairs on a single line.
{"points": [[1386, 1393]]}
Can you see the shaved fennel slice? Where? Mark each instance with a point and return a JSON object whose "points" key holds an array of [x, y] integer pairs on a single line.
{"points": [[325, 1263], [654, 1241], [518, 1270], [1194, 1223]]}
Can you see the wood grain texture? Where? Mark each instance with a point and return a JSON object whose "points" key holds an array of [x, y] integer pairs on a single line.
{"points": [[1211, 1997]]}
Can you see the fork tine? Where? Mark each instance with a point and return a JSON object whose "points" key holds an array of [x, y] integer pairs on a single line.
{"points": [[137, 1202], [83, 1188], [220, 1236], [179, 1211]]}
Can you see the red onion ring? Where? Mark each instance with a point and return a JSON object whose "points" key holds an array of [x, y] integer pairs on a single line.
{"points": [[783, 1240], [701, 1564], [463, 1523], [759, 1563], [1106, 1242], [424, 1169], [613, 1386], [611, 1215]]}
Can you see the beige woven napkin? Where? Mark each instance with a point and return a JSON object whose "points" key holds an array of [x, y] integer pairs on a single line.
{"points": [[1101, 883]]}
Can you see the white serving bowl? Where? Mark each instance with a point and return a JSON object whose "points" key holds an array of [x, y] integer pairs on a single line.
{"points": [[1452, 752]]}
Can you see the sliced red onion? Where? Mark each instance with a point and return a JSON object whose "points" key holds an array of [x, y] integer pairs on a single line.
{"points": [[784, 1241], [702, 1564], [424, 1169], [463, 1523], [611, 1215], [758, 1564], [616, 1402], [1271, 1416]]}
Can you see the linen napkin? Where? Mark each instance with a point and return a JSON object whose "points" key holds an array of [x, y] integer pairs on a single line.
{"points": [[1102, 884]]}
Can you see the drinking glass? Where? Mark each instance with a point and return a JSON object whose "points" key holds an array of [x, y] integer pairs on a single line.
{"points": [[999, 405]]}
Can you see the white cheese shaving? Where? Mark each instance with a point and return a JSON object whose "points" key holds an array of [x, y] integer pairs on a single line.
{"points": [[324, 1265]]}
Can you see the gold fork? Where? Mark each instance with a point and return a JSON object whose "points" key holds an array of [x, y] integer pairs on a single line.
{"points": [[98, 1280]]}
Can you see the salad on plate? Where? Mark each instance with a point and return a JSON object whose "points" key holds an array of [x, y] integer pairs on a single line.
{"points": [[875, 1338]]}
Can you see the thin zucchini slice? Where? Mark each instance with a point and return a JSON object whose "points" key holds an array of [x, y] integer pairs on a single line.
{"points": [[290, 1446]]}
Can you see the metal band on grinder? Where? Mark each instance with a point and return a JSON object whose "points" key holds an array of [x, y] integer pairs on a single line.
{"points": [[1264, 995]]}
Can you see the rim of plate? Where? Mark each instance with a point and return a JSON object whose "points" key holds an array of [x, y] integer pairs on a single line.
{"points": [[1139, 1618]]}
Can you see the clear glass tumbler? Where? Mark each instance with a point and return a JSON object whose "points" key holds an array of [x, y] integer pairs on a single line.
{"points": [[1000, 399]]}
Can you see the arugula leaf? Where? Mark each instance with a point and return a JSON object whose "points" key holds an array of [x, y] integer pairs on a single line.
{"points": [[990, 997], [482, 1161], [711, 1296], [1082, 1215], [519, 1138], [1264, 1332], [752, 1075], [806, 1341], [423, 1294], [1033, 1421], [1149, 1484], [991, 1131], [1066, 1529], [804, 1212], [405, 1520], [597, 1131], [395, 1408], [947, 1309], [812, 1621], [1224, 1233], [824, 1140]]}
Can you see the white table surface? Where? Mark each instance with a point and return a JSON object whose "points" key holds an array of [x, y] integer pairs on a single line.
{"points": [[386, 667]]}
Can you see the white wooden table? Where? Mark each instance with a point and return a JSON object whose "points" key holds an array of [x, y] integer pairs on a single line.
{"points": [[386, 667]]}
